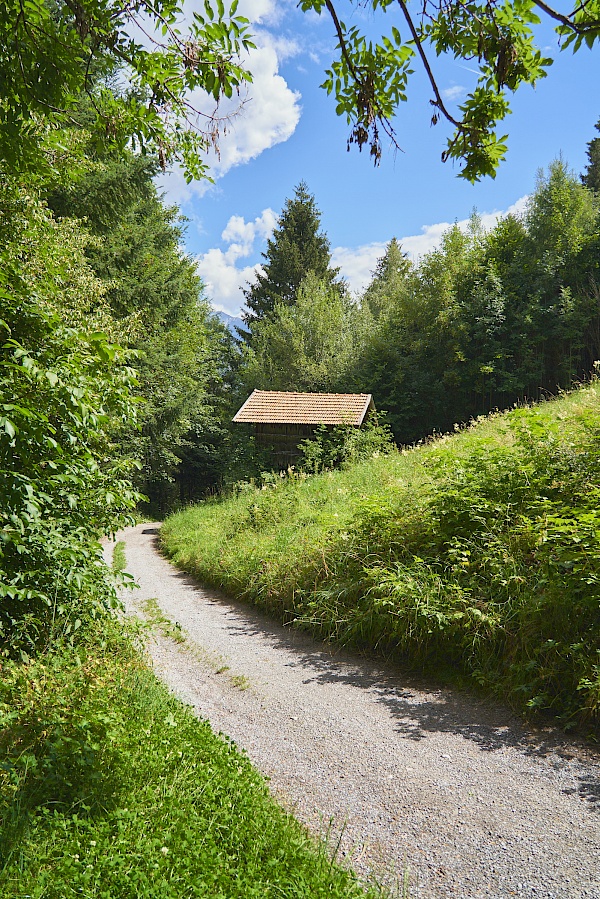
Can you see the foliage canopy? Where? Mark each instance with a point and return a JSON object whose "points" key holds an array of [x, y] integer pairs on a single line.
{"points": [[65, 390], [591, 177], [52, 54], [307, 345], [488, 318]]}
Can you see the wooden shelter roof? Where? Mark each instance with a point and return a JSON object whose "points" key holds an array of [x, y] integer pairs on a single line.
{"points": [[279, 407]]}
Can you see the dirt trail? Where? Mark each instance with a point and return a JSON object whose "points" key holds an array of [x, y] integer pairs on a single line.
{"points": [[418, 777]]}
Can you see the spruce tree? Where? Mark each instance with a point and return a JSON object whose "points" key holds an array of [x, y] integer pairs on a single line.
{"points": [[591, 178], [390, 274], [156, 297], [296, 248]]}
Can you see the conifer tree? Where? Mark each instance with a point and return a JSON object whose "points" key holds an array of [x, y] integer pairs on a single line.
{"points": [[156, 297], [591, 178], [296, 248], [390, 273]]}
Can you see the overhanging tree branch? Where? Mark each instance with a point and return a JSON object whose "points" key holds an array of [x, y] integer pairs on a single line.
{"points": [[438, 102], [360, 81], [567, 21], [49, 59], [369, 80]]}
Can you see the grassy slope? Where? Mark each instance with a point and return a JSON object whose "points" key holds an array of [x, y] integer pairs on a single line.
{"points": [[477, 552], [111, 789]]}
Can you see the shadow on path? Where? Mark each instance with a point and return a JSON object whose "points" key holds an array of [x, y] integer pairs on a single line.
{"points": [[419, 707]]}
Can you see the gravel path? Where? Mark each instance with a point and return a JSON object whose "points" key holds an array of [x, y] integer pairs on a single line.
{"points": [[415, 777]]}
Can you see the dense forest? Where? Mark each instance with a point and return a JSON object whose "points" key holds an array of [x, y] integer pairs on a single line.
{"points": [[487, 319]]}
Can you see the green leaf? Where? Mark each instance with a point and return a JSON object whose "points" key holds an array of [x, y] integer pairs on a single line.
{"points": [[8, 427]]}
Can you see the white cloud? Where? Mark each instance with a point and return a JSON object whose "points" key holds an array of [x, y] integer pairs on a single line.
{"points": [[358, 264], [519, 207], [285, 47], [224, 280], [257, 10], [270, 114], [266, 12], [175, 189], [265, 115], [219, 269], [454, 93], [241, 234]]}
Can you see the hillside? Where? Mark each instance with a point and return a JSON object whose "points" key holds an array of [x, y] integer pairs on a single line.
{"points": [[476, 554]]}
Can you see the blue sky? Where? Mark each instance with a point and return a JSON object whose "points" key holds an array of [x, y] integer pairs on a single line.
{"points": [[287, 131]]}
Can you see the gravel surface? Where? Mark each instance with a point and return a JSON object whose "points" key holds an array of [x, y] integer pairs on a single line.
{"points": [[414, 777]]}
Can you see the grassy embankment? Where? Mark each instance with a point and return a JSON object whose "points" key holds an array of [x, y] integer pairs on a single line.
{"points": [[478, 554], [111, 789]]}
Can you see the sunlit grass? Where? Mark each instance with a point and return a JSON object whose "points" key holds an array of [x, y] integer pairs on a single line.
{"points": [[477, 551], [119, 561], [111, 789]]}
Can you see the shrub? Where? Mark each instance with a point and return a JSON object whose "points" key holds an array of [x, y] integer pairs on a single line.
{"points": [[343, 445], [63, 394]]}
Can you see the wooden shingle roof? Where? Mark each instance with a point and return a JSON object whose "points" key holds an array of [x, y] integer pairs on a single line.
{"points": [[278, 407]]}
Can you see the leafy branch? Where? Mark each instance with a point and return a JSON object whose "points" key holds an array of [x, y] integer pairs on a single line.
{"points": [[369, 80], [50, 57]]}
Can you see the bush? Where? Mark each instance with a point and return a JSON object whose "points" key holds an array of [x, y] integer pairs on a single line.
{"points": [[343, 445], [64, 393], [502, 575]]}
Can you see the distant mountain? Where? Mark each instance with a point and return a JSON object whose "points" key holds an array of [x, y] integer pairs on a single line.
{"points": [[230, 321]]}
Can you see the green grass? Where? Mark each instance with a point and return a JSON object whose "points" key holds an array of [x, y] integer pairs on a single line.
{"points": [[160, 622], [477, 553], [172, 630], [119, 561], [111, 789]]}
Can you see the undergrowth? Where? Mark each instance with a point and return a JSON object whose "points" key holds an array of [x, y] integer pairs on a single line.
{"points": [[111, 789], [478, 553]]}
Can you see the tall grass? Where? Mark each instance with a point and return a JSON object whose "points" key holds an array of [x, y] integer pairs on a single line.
{"points": [[478, 553]]}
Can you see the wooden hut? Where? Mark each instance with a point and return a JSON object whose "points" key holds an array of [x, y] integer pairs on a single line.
{"points": [[281, 420]]}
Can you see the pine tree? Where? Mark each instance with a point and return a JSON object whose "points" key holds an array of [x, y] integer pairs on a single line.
{"points": [[296, 248], [591, 179]]}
